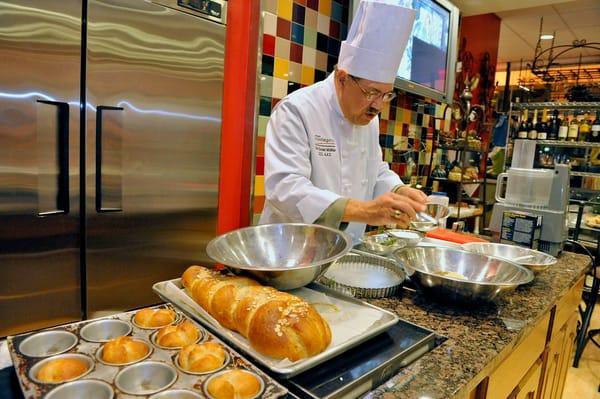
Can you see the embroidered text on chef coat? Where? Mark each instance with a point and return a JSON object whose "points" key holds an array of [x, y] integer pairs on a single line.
{"points": [[324, 146]]}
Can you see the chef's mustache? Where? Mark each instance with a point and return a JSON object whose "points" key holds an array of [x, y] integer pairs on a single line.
{"points": [[372, 110]]}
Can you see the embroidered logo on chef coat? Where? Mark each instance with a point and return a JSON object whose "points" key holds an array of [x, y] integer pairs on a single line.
{"points": [[325, 146]]}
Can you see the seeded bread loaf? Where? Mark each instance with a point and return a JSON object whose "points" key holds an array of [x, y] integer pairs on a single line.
{"points": [[276, 323]]}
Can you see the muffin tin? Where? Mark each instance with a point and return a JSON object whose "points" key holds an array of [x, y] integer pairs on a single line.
{"points": [[156, 376]]}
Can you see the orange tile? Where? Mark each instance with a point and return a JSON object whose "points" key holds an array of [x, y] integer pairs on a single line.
{"points": [[260, 146], [325, 7], [308, 75]]}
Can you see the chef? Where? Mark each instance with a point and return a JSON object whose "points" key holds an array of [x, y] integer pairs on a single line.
{"points": [[323, 162]]}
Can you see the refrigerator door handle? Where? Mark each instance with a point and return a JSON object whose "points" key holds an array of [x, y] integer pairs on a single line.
{"points": [[108, 188], [62, 159]]}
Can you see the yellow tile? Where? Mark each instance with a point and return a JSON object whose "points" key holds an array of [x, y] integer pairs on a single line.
{"points": [[398, 127], [308, 75], [284, 9], [282, 68], [259, 185], [325, 7]]}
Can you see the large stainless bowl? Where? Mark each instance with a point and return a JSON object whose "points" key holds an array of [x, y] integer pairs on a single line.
{"points": [[536, 261], [457, 275], [284, 255]]}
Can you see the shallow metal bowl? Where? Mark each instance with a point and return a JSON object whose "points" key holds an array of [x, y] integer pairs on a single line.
{"points": [[461, 276], [382, 244], [536, 261], [411, 237], [284, 255]]}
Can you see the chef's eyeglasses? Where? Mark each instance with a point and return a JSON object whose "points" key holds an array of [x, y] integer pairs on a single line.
{"points": [[371, 95]]}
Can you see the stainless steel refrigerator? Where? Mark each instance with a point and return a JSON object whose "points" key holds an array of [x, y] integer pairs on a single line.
{"points": [[110, 116]]}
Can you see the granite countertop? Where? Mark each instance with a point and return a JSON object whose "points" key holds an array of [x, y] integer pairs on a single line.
{"points": [[477, 338]]}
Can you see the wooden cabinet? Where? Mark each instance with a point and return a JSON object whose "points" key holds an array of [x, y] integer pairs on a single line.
{"points": [[537, 366]]}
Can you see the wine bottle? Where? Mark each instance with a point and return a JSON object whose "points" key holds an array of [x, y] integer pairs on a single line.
{"points": [[563, 130], [542, 126], [553, 126], [584, 128], [595, 130], [532, 132], [573, 129], [522, 132]]}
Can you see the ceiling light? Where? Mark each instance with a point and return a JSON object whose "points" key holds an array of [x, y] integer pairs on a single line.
{"points": [[546, 36]]}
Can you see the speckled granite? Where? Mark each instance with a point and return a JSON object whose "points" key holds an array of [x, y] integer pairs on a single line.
{"points": [[476, 336]]}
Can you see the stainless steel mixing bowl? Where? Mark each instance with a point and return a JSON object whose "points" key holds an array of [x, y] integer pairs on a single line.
{"points": [[461, 276], [429, 218], [536, 261], [283, 255]]}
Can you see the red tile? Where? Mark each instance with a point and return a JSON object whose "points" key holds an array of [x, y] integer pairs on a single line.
{"points": [[274, 102], [284, 28], [296, 53], [314, 4], [334, 29], [260, 166], [259, 204], [303, 2], [269, 45], [383, 125]]}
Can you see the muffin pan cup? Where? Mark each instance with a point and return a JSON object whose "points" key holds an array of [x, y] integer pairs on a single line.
{"points": [[107, 381], [101, 360], [208, 380], [201, 338]]}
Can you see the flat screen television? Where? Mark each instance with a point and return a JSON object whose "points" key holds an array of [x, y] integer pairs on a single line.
{"points": [[429, 61]]}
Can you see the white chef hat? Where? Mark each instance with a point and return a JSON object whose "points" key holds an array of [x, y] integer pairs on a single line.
{"points": [[376, 40]]}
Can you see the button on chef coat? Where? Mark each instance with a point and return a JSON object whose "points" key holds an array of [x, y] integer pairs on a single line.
{"points": [[314, 156]]}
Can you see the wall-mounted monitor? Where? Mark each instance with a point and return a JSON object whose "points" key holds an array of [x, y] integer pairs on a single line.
{"points": [[429, 61]]}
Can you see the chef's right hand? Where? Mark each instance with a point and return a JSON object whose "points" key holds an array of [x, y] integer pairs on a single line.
{"points": [[389, 208]]}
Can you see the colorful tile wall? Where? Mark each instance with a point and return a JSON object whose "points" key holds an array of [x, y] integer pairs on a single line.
{"points": [[300, 45]]}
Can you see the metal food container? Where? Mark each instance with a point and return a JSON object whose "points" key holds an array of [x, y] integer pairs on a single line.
{"points": [[460, 276], [364, 276], [157, 376], [282, 255], [535, 261]]}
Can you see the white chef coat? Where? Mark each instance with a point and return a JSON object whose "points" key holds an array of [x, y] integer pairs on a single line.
{"points": [[314, 156]]}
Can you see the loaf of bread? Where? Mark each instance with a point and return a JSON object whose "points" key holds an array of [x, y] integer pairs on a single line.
{"points": [[124, 349], [177, 336], [201, 358], [234, 384], [276, 323], [63, 369], [154, 318]]}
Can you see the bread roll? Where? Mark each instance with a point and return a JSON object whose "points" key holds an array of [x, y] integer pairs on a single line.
{"points": [[177, 336], [201, 358], [276, 323], [122, 350], [62, 369], [154, 318], [234, 384]]}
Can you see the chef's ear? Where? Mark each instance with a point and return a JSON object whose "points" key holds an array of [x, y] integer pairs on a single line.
{"points": [[341, 75]]}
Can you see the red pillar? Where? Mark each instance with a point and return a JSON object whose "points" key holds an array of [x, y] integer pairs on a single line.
{"points": [[237, 131]]}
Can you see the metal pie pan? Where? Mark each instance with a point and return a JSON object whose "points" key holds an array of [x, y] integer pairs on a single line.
{"points": [[225, 363], [365, 276], [200, 338], [175, 321], [36, 368], [105, 330], [95, 389], [145, 378], [177, 394], [101, 360], [48, 343], [212, 377]]}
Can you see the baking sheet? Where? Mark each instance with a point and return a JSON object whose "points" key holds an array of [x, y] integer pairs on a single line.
{"points": [[354, 322], [32, 389]]}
